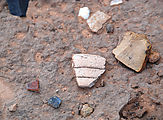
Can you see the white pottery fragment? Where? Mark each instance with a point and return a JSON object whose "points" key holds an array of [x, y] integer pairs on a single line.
{"points": [[96, 21], [88, 68]]}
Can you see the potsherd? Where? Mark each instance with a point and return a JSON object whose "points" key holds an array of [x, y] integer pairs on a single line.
{"points": [[88, 68], [55, 102], [133, 50], [96, 21], [33, 86]]}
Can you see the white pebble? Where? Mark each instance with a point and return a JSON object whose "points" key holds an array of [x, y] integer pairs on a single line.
{"points": [[116, 2], [84, 12]]}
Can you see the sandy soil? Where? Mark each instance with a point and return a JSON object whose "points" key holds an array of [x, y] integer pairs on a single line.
{"points": [[42, 44]]}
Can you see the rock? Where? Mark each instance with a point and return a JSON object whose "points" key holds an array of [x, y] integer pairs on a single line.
{"points": [[54, 102], [3, 3], [13, 108], [100, 83], [57, 91], [133, 109], [84, 12], [154, 56], [109, 28], [44, 101], [96, 21], [134, 86], [86, 110], [73, 113], [33, 86], [102, 118], [160, 73], [141, 112], [133, 50], [116, 2], [88, 68], [123, 119]]}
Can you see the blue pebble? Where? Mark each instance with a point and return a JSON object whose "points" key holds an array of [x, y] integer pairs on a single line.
{"points": [[54, 102]]}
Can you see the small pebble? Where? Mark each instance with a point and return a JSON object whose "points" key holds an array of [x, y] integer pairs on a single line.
{"points": [[86, 110], [73, 113], [154, 56], [160, 73], [54, 102], [109, 28], [64, 89], [116, 2], [57, 91], [123, 119], [134, 86], [101, 118], [44, 101], [101, 84], [84, 12], [13, 108]]}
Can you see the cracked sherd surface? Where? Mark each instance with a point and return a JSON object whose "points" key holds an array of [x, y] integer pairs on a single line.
{"points": [[88, 68]]}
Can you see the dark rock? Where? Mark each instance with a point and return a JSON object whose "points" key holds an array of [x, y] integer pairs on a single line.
{"points": [[109, 28], [133, 109], [134, 86]]}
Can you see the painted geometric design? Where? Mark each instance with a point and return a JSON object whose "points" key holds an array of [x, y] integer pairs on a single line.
{"points": [[33, 86], [88, 68]]}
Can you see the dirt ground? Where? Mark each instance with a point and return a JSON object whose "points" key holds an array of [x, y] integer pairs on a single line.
{"points": [[42, 44]]}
